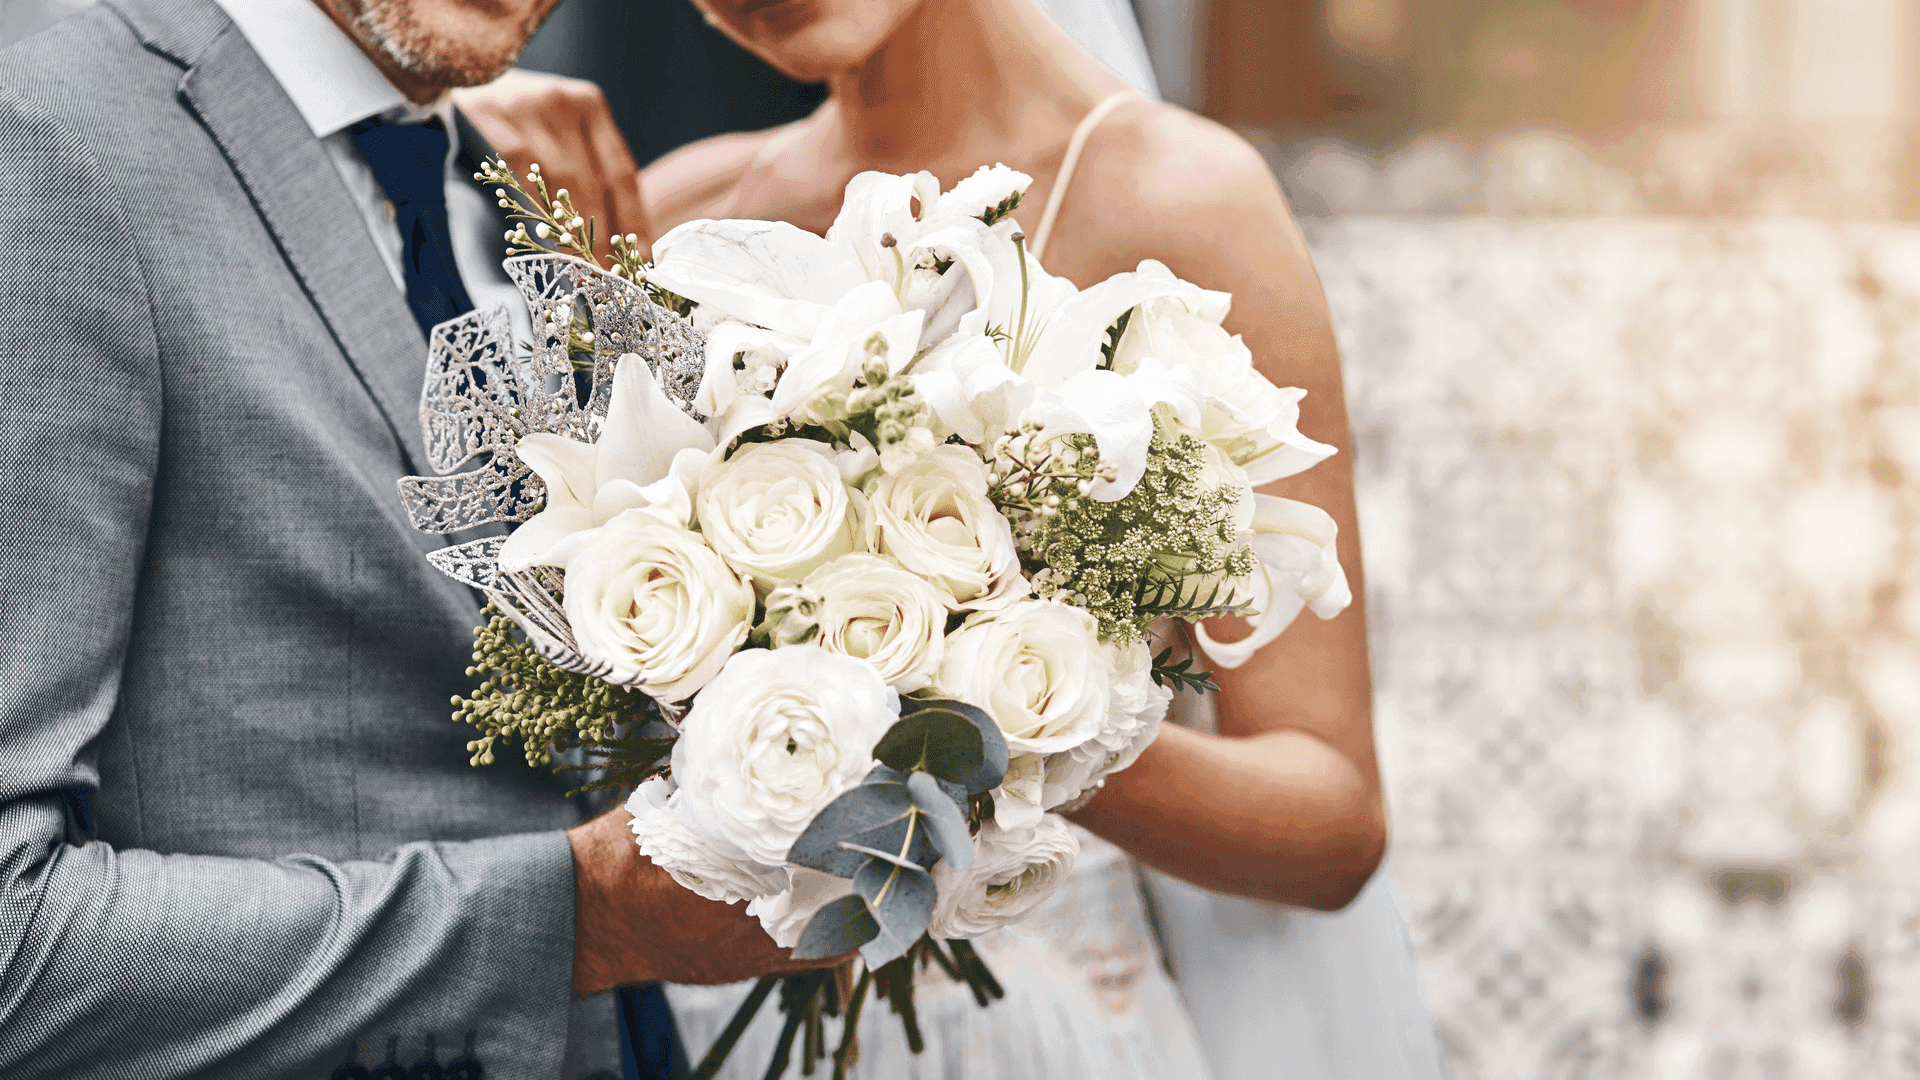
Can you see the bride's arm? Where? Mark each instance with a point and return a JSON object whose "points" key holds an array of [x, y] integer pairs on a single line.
{"points": [[1284, 804]]}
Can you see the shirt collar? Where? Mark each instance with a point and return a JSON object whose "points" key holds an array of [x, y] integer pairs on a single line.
{"points": [[331, 82]]}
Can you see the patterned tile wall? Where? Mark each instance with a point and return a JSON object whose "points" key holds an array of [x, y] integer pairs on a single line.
{"points": [[1638, 506]]}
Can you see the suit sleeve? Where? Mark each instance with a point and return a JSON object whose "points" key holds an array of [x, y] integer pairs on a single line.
{"points": [[131, 963]]}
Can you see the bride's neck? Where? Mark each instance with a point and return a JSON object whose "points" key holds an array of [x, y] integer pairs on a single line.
{"points": [[952, 71]]}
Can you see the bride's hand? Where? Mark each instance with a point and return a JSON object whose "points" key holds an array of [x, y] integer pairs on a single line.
{"points": [[565, 125]]}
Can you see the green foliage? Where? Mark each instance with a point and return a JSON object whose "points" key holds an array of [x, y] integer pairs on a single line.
{"points": [[1180, 676], [950, 739], [1169, 549], [1114, 333], [523, 696]]}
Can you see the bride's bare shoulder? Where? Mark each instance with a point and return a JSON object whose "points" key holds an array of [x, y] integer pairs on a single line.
{"points": [[698, 179], [1192, 193]]}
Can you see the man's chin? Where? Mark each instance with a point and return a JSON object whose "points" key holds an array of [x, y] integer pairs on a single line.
{"points": [[443, 44]]}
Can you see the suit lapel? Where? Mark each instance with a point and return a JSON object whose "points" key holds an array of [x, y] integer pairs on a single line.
{"points": [[319, 230]]}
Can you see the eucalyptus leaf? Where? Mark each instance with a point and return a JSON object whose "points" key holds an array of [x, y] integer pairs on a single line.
{"points": [[863, 814], [900, 902], [840, 927], [944, 818], [993, 745]]}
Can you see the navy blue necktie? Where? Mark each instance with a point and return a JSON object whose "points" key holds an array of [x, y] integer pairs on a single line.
{"points": [[410, 161]]}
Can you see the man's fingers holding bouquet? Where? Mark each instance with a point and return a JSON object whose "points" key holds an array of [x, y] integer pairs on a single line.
{"points": [[634, 924]]}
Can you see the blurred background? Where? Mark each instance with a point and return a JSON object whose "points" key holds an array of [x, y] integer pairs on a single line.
{"points": [[1629, 298]]}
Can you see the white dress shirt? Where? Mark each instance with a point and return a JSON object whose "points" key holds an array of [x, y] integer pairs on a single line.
{"points": [[335, 86]]}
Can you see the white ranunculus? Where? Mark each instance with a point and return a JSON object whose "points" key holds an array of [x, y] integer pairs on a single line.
{"points": [[1036, 668], [935, 517], [645, 458], [777, 510], [707, 865], [773, 739], [653, 601], [1013, 872], [1136, 706], [1016, 801], [872, 609], [786, 914]]}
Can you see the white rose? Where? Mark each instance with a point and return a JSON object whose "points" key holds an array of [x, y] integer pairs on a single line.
{"points": [[871, 609], [935, 517], [773, 739], [656, 604], [1253, 421], [1013, 872], [786, 914], [1036, 669], [706, 865], [1136, 706], [777, 510]]}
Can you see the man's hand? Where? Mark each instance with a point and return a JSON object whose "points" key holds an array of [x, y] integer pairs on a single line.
{"points": [[633, 923], [565, 125]]}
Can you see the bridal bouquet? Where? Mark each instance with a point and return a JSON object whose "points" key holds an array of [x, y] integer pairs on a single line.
{"points": [[845, 550]]}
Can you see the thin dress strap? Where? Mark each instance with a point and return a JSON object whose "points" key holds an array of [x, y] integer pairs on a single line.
{"points": [[1074, 145]]}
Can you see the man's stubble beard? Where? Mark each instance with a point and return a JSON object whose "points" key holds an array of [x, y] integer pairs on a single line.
{"points": [[391, 26]]}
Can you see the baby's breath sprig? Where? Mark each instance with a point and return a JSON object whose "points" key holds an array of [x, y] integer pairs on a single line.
{"points": [[555, 224], [1031, 479], [524, 696]]}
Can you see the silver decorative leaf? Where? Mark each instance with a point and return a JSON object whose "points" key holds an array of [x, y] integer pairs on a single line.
{"points": [[501, 490], [467, 408], [473, 563]]}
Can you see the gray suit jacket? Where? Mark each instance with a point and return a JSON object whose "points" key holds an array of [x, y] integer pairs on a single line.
{"points": [[238, 830]]}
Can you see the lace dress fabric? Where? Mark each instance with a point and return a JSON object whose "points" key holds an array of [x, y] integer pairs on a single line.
{"points": [[1087, 999]]}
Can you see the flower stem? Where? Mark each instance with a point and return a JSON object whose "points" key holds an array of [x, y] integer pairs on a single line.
{"points": [[849, 1051], [717, 1055]]}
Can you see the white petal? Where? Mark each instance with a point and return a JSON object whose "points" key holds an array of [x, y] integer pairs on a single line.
{"points": [[643, 429], [1296, 541], [537, 540], [854, 317], [565, 465], [988, 187], [876, 205], [769, 273], [1181, 388], [718, 385], [1077, 328], [1102, 404]]}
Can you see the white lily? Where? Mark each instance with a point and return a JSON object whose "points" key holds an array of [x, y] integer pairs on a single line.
{"points": [[866, 321], [782, 278], [648, 457], [1298, 568], [971, 389], [1050, 334]]}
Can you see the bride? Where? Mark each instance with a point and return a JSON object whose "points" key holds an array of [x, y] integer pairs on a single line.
{"points": [[1275, 796]]}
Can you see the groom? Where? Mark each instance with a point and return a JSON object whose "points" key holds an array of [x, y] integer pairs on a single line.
{"points": [[238, 833]]}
